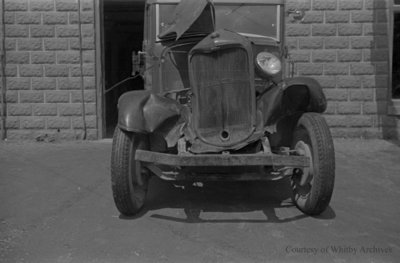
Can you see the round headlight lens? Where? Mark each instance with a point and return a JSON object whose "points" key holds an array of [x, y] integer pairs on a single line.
{"points": [[269, 63]]}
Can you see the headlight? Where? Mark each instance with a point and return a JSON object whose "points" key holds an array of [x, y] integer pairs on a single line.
{"points": [[268, 63]]}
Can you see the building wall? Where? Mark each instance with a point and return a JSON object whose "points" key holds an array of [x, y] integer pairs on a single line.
{"points": [[344, 44], [43, 68]]}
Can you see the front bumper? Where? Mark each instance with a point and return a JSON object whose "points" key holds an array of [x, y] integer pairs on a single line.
{"points": [[190, 160], [219, 167]]}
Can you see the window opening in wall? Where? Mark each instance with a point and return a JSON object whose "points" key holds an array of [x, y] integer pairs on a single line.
{"points": [[396, 54], [123, 34]]}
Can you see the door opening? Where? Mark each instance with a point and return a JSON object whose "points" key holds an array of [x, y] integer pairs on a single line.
{"points": [[123, 34]]}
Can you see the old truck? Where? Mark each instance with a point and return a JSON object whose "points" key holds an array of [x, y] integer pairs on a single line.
{"points": [[219, 104]]}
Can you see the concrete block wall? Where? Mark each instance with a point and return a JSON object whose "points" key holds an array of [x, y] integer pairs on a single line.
{"points": [[344, 44], [43, 68]]}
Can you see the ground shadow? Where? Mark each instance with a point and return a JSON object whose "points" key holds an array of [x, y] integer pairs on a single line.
{"points": [[328, 214], [394, 142], [224, 197]]}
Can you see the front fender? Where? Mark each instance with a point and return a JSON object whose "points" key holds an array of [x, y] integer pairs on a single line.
{"points": [[303, 94], [292, 96], [299, 95], [143, 112]]}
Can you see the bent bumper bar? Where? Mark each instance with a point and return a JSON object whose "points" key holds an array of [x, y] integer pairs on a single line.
{"points": [[187, 160]]}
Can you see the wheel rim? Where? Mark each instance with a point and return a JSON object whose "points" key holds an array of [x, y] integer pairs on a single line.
{"points": [[303, 178]]}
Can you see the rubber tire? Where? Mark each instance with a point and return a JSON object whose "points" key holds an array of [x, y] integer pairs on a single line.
{"points": [[313, 130], [129, 179]]}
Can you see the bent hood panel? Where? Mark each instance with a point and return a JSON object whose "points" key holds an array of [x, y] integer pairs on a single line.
{"points": [[144, 112], [190, 14]]}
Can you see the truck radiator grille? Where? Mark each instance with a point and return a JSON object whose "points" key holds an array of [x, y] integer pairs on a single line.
{"points": [[222, 93]]}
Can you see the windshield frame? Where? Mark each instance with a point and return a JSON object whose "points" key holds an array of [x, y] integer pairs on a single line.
{"points": [[277, 3]]}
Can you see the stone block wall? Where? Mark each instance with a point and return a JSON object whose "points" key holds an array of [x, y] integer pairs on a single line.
{"points": [[344, 44], [43, 68]]}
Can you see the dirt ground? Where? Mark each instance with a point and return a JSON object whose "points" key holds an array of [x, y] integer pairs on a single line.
{"points": [[56, 206]]}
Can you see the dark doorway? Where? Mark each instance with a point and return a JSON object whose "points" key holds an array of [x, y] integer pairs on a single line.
{"points": [[123, 34]]}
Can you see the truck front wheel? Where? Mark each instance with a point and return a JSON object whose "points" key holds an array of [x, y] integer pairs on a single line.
{"points": [[313, 186], [129, 179]]}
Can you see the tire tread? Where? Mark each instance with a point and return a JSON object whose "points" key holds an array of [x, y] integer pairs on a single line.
{"points": [[120, 155], [321, 138]]}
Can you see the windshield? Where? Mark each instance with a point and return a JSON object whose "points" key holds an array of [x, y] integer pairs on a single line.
{"points": [[250, 20]]}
